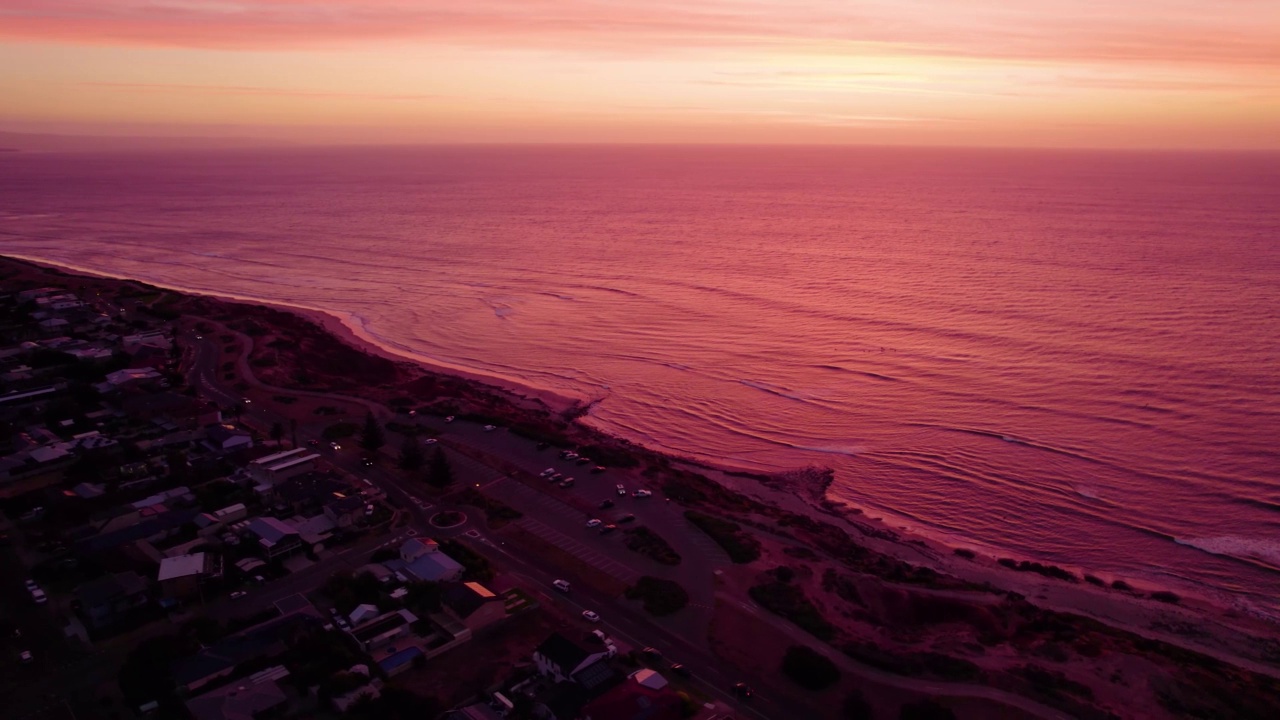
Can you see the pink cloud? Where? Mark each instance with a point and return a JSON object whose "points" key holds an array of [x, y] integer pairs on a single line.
{"points": [[1234, 32]]}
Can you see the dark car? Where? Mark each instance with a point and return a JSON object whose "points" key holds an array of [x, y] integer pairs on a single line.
{"points": [[680, 670], [605, 530], [652, 653], [313, 442], [606, 504], [583, 461], [598, 469], [543, 446], [742, 690], [627, 518], [366, 461]]}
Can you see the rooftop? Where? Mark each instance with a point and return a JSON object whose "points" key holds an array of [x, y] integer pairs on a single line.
{"points": [[182, 566]]}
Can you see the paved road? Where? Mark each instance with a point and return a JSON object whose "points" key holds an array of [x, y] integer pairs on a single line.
{"points": [[554, 519]]}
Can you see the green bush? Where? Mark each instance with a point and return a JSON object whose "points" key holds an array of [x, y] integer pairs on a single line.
{"points": [[808, 668], [337, 431], [789, 601], [650, 544], [661, 597], [741, 546]]}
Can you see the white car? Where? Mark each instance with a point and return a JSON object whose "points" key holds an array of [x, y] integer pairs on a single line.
{"points": [[642, 493], [238, 594], [561, 585], [544, 473], [622, 489], [39, 597], [590, 616], [593, 522], [431, 441], [449, 419], [490, 428], [32, 586], [25, 656]]}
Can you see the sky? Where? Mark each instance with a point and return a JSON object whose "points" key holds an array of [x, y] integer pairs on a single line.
{"points": [[1046, 73]]}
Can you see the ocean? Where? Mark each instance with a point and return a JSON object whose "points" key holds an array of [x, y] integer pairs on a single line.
{"points": [[1072, 357]]}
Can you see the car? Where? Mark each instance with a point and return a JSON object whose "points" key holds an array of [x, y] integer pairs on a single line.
{"points": [[449, 419], [622, 489], [652, 653], [680, 670], [566, 483], [599, 469], [590, 616], [366, 461], [583, 460], [25, 656], [543, 445], [742, 690], [334, 612], [598, 636], [626, 518], [313, 442], [31, 585], [199, 337], [561, 585], [642, 494], [39, 597], [547, 473], [593, 522], [556, 477], [430, 441], [246, 401], [569, 455], [606, 504], [238, 594], [490, 428], [606, 529], [335, 445]]}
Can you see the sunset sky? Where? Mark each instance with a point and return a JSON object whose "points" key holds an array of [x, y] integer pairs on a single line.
{"points": [[1069, 73]]}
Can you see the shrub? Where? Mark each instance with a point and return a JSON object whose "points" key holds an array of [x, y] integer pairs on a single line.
{"points": [[337, 431], [742, 547], [1165, 596], [789, 601], [856, 707], [808, 668], [476, 566], [964, 553], [497, 513], [927, 709], [1095, 580], [650, 544], [1121, 585], [660, 596]]}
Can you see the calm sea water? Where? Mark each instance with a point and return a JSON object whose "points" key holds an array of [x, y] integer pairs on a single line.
{"points": [[1066, 356]]}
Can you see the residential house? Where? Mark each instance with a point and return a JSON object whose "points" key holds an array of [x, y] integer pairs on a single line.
{"points": [[362, 613], [345, 511], [109, 601], [276, 538], [180, 577], [264, 641], [564, 660], [634, 701], [382, 630], [423, 560], [277, 467], [308, 493], [473, 604], [257, 697], [227, 438]]}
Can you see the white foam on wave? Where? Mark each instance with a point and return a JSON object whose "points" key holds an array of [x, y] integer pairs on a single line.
{"points": [[1267, 551], [1087, 492], [850, 450]]}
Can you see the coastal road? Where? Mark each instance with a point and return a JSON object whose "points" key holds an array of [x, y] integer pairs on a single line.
{"points": [[774, 699]]}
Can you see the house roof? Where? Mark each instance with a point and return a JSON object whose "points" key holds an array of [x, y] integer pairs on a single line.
{"points": [[466, 598], [267, 639], [649, 678], [274, 458], [398, 659], [273, 530], [237, 701], [107, 589], [433, 567], [563, 652], [311, 487], [181, 566], [221, 433], [631, 701]]}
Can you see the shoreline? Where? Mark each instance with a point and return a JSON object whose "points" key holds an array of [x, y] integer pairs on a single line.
{"points": [[879, 533]]}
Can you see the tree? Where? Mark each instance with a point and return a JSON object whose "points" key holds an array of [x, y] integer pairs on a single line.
{"points": [[809, 668], [237, 409], [439, 474], [856, 707], [277, 433], [293, 430], [372, 439], [411, 457], [927, 709]]}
